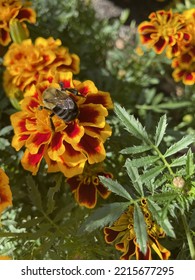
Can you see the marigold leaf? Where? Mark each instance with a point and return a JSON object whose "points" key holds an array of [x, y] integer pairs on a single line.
{"points": [[34, 193], [134, 176], [179, 161], [152, 173], [140, 229], [136, 149], [144, 161], [190, 163], [5, 130], [178, 146], [132, 125], [161, 220], [160, 130], [106, 215], [115, 187], [50, 195]]}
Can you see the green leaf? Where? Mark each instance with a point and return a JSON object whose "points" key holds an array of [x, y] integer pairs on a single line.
{"points": [[160, 130], [4, 143], [5, 130], [178, 146], [190, 163], [179, 161], [144, 161], [161, 220], [152, 173], [104, 216], [136, 149], [132, 125], [115, 187], [140, 229], [134, 176], [50, 194], [166, 196], [34, 193]]}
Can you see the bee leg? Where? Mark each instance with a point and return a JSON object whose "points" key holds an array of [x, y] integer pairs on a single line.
{"points": [[51, 121]]}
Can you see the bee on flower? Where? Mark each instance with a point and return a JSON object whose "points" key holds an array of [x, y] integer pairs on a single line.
{"points": [[65, 145]]}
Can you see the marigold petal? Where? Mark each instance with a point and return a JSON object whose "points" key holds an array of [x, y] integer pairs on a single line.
{"points": [[36, 140], [56, 147], [31, 162], [27, 14], [5, 192], [93, 148], [162, 252], [86, 195], [100, 97], [160, 45], [74, 132], [5, 38], [92, 115]]}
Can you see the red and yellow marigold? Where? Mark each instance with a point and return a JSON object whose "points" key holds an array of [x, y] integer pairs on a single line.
{"points": [[87, 185], [165, 30], [13, 9], [25, 62], [5, 192], [184, 64], [70, 145], [122, 233]]}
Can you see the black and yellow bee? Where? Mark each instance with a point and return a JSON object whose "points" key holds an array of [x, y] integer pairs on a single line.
{"points": [[60, 103]]}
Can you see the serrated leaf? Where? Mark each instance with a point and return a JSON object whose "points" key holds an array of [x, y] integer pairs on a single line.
{"points": [[140, 229], [161, 220], [4, 143], [136, 149], [179, 161], [115, 187], [166, 196], [134, 176], [144, 161], [178, 146], [160, 130], [190, 163], [106, 215], [5, 130], [152, 173], [132, 125], [34, 193], [50, 195]]}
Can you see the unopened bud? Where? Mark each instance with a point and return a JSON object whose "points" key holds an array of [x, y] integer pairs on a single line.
{"points": [[179, 182]]}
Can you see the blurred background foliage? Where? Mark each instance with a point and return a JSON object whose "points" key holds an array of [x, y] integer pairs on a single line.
{"points": [[35, 228]]}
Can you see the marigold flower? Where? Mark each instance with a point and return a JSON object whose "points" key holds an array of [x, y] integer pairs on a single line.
{"points": [[5, 258], [5, 192], [25, 62], [165, 30], [184, 64], [71, 144], [122, 233], [13, 9], [87, 186]]}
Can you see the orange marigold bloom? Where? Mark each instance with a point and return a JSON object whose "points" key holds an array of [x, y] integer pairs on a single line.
{"points": [[69, 145], [5, 192], [122, 233], [165, 30], [4, 258], [13, 9], [25, 62], [87, 186], [184, 64]]}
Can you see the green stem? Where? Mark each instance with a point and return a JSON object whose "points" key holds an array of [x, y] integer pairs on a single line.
{"points": [[189, 236]]}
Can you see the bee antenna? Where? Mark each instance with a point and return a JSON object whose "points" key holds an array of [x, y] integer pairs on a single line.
{"points": [[62, 85]]}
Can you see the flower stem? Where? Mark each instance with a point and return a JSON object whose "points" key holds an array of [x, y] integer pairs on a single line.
{"points": [[189, 237]]}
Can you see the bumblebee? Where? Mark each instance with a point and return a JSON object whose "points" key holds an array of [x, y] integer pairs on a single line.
{"points": [[60, 103]]}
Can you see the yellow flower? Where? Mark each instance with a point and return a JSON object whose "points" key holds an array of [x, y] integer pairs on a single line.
{"points": [[5, 192], [65, 145], [13, 9], [5, 258], [25, 62], [165, 30], [87, 186], [184, 64], [122, 233]]}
